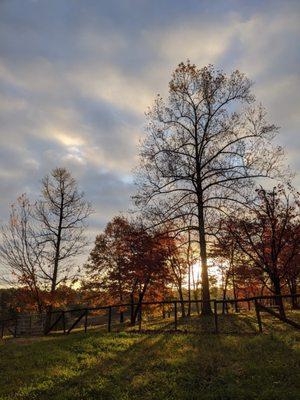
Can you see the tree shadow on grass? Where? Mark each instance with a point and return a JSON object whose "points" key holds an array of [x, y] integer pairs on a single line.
{"points": [[237, 324], [177, 367]]}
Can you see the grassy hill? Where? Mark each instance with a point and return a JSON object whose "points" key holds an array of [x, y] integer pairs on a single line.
{"points": [[152, 366]]}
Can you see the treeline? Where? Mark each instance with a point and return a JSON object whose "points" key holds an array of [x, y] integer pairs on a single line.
{"points": [[211, 190]]}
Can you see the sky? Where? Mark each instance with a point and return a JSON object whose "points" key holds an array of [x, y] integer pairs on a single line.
{"points": [[76, 77]]}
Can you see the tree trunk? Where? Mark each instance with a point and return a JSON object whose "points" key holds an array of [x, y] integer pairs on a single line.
{"points": [[278, 299], [189, 291], [293, 291], [48, 318], [295, 305], [121, 312], [181, 301], [164, 299], [189, 273], [132, 321], [195, 293], [206, 308], [137, 309], [141, 297], [224, 304], [234, 292], [56, 263]]}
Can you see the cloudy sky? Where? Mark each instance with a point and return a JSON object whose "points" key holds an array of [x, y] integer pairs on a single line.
{"points": [[76, 77]]}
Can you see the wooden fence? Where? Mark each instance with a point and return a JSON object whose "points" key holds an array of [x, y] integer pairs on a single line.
{"points": [[84, 318]]}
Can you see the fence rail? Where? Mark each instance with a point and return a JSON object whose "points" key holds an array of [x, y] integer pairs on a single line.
{"points": [[105, 316]]}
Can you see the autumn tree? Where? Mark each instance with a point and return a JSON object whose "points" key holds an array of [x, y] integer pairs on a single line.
{"points": [[293, 274], [205, 146], [150, 263], [128, 261], [109, 261], [267, 236]]}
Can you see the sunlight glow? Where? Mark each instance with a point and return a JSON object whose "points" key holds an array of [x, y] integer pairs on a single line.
{"points": [[214, 270], [68, 138]]}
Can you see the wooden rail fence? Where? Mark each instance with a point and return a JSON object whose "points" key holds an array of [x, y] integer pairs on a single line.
{"points": [[12, 325]]}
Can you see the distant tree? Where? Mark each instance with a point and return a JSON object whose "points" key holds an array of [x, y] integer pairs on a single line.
{"points": [[41, 240], [227, 257], [203, 152], [179, 268], [61, 213]]}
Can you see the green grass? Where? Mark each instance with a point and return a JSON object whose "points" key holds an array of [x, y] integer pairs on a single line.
{"points": [[158, 366]]}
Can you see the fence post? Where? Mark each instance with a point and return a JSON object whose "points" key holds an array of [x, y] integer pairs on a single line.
{"points": [[175, 314], [2, 329], [140, 317], [85, 320], [216, 316], [64, 322], [226, 307], [132, 309], [109, 318], [16, 328], [258, 315]]}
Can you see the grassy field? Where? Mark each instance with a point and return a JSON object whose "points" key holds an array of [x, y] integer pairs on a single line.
{"points": [[152, 366]]}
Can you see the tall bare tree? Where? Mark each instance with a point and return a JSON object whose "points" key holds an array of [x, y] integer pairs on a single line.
{"points": [[204, 148], [40, 241], [61, 212]]}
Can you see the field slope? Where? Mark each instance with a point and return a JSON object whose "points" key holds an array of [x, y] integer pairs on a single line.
{"points": [[158, 366]]}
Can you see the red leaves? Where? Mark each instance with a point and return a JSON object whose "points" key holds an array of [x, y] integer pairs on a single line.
{"points": [[127, 258]]}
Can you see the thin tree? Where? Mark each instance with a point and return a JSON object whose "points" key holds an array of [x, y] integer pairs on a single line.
{"points": [[41, 240], [61, 212], [226, 253], [204, 148], [178, 268]]}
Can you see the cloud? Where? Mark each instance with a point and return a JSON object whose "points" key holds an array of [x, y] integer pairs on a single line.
{"points": [[263, 44], [76, 78], [111, 84], [202, 42]]}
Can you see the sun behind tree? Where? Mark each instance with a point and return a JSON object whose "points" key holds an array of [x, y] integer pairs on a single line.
{"points": [[205, 147]]}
